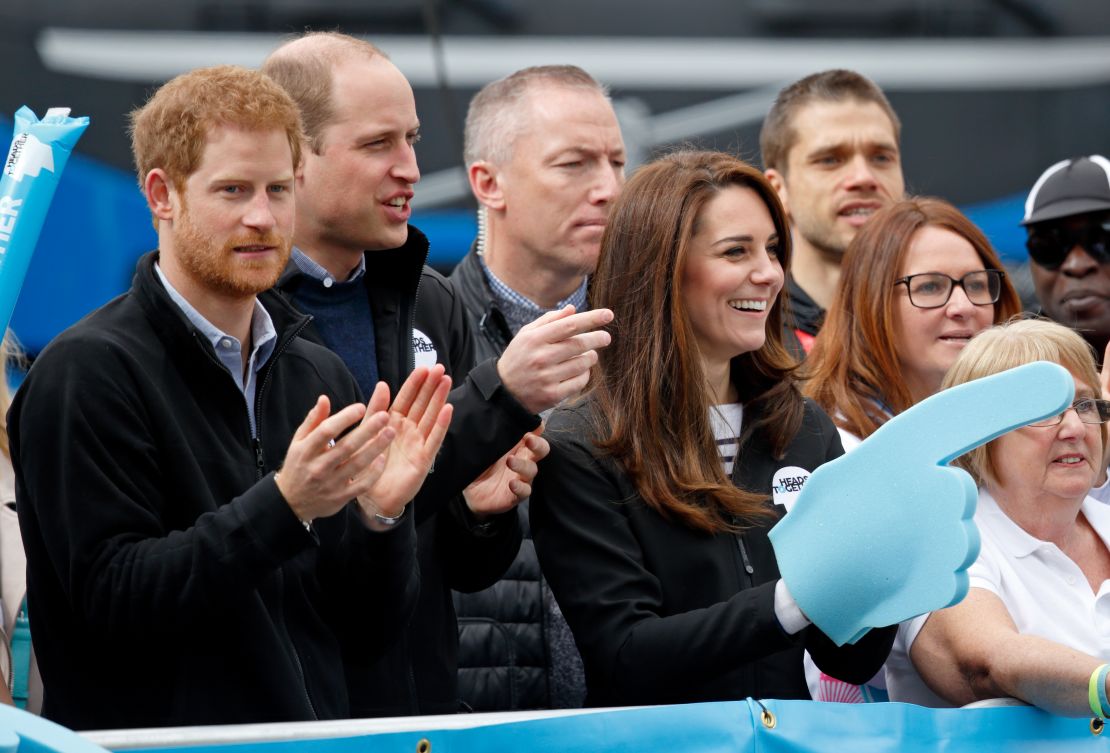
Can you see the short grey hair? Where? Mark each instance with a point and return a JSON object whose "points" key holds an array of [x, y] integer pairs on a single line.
{"points": [[494, 119]]}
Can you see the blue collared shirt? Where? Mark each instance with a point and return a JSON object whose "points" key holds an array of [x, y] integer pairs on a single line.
{"points": [[228, 349], [519, 310], [309, 267]]}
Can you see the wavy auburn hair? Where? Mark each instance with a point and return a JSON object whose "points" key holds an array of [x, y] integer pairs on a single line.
{"points": [[853, 368], [649, 389]]}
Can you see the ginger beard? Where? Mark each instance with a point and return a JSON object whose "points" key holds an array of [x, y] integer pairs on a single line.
{"points": [[222, 269]]}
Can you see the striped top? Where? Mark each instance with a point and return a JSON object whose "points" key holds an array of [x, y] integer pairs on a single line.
{"points": [[726, 421]]}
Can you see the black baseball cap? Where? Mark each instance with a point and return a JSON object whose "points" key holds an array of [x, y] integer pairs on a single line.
{"points": [[1073, 186]]}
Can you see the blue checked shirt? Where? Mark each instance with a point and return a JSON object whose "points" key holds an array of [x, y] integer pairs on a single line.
{"points": [[519, 310]]}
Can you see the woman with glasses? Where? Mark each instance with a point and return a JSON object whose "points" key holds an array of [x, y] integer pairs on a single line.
{"points": [[650, 515], [1036, 621], [917, 283]]}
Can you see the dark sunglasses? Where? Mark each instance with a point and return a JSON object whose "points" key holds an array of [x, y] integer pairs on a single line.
{"points": [[1049, 246]]}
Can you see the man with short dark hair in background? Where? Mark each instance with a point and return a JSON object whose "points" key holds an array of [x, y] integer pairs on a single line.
{"points": [[830, 146], [1067, 218], [545, 160]]}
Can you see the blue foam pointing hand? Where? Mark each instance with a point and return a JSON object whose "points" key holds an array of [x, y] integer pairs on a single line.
{"points": [[885, 533]]}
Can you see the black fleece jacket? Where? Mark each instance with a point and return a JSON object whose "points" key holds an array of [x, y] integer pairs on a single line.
{"points": [[169, 582], [663, 613], [418, 674]]}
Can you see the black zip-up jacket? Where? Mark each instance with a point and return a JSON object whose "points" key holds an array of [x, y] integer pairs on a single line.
{"points": [[491, 331], [169, 583], [418, 675], [663, 613], [514, 652]]}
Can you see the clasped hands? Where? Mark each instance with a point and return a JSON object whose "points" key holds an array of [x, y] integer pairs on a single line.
{"points": [[377, 454]]}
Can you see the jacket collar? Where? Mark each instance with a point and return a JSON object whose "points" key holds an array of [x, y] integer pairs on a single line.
{"points": [[176, 329], [395, 269], [477, 297]]}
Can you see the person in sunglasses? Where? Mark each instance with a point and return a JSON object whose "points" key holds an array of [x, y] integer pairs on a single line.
{"points": [[918, 281], [1033, 624], [1067, 217]]}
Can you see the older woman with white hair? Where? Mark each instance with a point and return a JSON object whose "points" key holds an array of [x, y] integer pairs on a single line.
{"points": [[1035, 624]]}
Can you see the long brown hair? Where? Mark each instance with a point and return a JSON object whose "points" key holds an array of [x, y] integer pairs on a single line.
{"points": [[649, 389], [853, 369]]}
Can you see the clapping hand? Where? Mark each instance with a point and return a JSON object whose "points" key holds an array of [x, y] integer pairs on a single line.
{"points": [[418, 418], [325, 468]]}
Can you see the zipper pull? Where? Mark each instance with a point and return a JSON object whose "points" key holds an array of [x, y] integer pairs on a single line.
{"points": [[744, 555], [259, 458]]}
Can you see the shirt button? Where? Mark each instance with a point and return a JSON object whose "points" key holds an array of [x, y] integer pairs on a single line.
{"points": [[225, 343], [1071, 580], [328, 282]]}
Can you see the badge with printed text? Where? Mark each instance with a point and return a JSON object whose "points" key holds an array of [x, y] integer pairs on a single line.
{"points": [[787, 485], [423, 350]]}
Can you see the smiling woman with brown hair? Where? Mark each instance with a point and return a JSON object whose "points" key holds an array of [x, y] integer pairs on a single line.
{"points": [[651, 514]]}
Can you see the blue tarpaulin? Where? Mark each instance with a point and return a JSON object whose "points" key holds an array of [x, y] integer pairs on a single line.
{"points": [[734, 727]]}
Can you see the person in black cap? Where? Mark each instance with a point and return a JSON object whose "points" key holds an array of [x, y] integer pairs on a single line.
{"points": [[1067, 216]]}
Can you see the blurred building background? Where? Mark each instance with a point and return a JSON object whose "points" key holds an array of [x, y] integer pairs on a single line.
{"points": [[990, 92]]}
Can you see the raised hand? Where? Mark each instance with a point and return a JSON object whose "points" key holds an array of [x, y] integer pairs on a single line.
{"points": [[419, 418], [508, 482], [321, 473], [885, 532], [550, 359]]}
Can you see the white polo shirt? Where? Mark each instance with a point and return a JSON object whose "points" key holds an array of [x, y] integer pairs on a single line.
{"points": [[1044, 591]]}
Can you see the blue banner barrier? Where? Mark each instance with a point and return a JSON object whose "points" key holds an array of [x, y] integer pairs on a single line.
{"points": [[734, 727]]}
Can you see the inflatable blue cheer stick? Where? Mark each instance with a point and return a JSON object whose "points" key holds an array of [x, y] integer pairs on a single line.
{"points": [[885, 533], [39, 152]]}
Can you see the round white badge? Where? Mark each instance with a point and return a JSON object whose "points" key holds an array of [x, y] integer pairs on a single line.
{"points": [[423, 350], [787, 485]]}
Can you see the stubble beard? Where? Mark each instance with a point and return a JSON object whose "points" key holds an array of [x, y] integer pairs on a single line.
{"points": [[823, 239]]}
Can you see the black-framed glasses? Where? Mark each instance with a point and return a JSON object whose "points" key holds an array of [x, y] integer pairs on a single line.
{"points": [[930, 290], [1090, 411], [1050, 244]]}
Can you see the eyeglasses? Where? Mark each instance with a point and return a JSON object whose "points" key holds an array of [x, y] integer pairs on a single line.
{"points": [[930, 290], [1050, 245], [1089, 410]]}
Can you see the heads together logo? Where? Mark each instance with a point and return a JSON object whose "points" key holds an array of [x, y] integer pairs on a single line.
{"points": [[423, 349], [787, 485], [28, 157]]}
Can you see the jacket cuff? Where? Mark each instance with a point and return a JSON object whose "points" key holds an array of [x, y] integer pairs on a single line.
{"points": [[488, 527], [489, 386], [270, 519]]}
